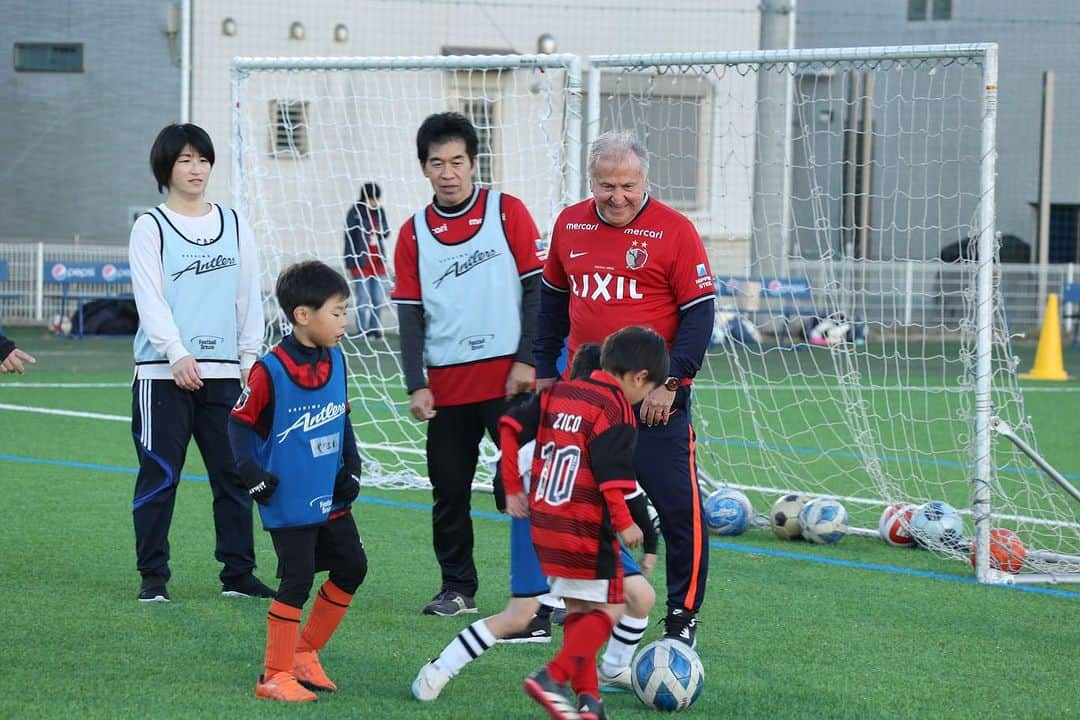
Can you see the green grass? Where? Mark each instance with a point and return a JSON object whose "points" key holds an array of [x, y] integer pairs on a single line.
{"points": [[891, 633]]}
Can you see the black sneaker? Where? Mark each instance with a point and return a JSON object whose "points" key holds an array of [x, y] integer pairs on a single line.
{"points": [[245, 586], [553, 696], [537, 631], [153, 590], [448, 603], [681, 625], [591, 708]]}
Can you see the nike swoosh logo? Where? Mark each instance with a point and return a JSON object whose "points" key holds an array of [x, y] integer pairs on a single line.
{"points": [[577, 254]]}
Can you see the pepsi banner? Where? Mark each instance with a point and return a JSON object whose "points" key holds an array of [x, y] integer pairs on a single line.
{"points": [[796, 288], [60, 272]]}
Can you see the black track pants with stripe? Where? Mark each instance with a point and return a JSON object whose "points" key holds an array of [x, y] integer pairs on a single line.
{"points": [[665, 464], [164, 418]]}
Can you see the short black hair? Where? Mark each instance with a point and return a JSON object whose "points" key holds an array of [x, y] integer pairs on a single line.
{"points": [[635, 348], [444, 127], [370, 191], [586, 359], [308, 284], [170, 142]]}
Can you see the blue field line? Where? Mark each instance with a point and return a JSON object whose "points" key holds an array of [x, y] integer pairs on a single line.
{"points": [[713, 543]]}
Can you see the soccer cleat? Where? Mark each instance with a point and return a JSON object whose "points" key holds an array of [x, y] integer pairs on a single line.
{"points": [[448, 603], [681, 625], [553, 696], [619, 682], [283, 687], [245, 586], [591, 708], [537, 631], [309, 672], [153, 590], [429, 682]]}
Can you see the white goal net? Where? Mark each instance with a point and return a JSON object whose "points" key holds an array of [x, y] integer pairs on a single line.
{"points": [[846, 197], [861, 347]]}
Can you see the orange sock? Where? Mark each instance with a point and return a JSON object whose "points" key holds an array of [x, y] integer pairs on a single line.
{"points": [[330, 606], [282, 629]]}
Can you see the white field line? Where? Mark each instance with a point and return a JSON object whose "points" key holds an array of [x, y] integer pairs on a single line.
{"points": [[65, 413]]}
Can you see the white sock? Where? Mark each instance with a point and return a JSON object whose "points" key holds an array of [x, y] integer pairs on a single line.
{"points": [[620, 648], [469, 644]]}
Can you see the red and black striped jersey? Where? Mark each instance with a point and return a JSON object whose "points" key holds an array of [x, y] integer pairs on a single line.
{"points": [[585, 435]]}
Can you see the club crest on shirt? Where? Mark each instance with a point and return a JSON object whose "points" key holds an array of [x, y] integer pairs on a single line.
{"points": [[637, 255]]}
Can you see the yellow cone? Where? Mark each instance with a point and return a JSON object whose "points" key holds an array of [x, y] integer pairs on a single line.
{"points": [[1049, 364]]}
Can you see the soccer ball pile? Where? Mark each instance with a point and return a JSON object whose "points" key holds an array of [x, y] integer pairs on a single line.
{"points": [[832, 330], [667, 675], [728, 512], [731, 326]]}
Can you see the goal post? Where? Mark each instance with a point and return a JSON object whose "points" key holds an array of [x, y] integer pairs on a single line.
{"points": [[889, 158], [307, 133]]}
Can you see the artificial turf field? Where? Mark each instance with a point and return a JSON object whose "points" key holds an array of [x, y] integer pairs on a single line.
{"points": [[856, 630]]}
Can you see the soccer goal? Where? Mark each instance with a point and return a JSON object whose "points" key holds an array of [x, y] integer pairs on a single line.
{"points": [[850, 360], [307, 133]]}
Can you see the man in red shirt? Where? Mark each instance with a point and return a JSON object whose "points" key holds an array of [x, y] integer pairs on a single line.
{"points": [[467, 293], [623, 258]]}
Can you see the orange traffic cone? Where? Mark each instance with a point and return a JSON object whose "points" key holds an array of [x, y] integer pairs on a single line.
{"points": [[1049, 364]]}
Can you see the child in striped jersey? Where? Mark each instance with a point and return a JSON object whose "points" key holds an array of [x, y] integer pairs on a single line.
{"points": [[583, 470], [528, 584]]}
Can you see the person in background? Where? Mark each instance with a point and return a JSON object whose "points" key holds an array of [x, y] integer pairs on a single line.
{"points": [[366, 231]]}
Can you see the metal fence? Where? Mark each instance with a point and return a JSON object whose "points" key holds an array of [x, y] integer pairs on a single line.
{"points": [[911, 293]]}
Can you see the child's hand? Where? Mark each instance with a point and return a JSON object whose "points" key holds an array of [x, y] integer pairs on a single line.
{"points": [[632, 537], [259, 483], [648, 563], [346, 485], [517, 505]]}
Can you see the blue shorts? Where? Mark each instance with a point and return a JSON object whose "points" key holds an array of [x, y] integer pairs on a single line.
{"points": [[526, 577]]}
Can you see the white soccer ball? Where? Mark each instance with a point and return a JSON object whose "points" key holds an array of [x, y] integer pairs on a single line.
{"points": [[823, 521], [728, 512], [667, 675], [894, 522], [655, 518], [938, 526], [832, 330]]}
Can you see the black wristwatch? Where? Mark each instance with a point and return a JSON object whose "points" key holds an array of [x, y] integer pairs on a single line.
{"points": [[673, 383]]}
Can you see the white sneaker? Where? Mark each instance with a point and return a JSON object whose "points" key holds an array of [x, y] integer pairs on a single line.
{"points": [[614, 683], [430, 681]]}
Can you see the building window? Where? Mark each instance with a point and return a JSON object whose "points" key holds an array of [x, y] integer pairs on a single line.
{"points": [[289, 133], [49, 57], [921, 10], [1064, 233], [669, 119], [481, 112]]}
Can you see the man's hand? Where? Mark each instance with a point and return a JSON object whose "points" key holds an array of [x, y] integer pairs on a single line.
{"points": [[186, 373], [631, 537], [346, 485], [422, 404], [520, 380], [656, 407], [517, 505], [13, 363], [647, 564], [544, 383]]}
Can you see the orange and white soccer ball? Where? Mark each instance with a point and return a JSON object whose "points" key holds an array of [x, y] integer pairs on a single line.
{"points": [[1007, 551], [894, 522]]}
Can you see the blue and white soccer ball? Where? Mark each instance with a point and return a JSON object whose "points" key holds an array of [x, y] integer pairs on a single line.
{"points": [[938, 525], [667, 675], [728, 512], [823, 521]]}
